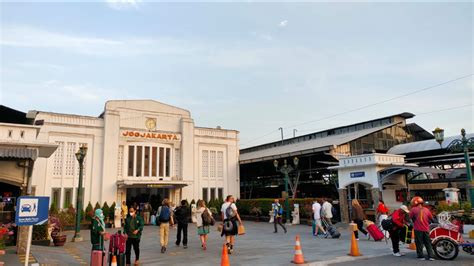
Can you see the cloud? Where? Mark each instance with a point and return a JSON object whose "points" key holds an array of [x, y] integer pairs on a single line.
{"points": [[283, 23], [123, 4]]}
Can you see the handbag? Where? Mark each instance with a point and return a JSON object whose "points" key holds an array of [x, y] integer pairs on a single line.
{"points": [[241, 230], [219, 227]]}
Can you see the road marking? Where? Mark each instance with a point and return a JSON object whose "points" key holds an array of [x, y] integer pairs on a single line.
{"points": [[344, 259]]}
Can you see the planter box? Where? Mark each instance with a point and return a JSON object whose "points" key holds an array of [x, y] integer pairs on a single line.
{"points": [[44, 242]]}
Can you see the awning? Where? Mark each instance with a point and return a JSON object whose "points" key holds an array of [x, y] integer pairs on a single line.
{"points": [[19, 153], [385, 173], [152, 183]]}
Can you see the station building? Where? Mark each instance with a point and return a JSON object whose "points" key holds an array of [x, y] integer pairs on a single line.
{"points": [[137, 151]]}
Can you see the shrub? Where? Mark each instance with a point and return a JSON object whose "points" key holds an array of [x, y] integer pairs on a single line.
{"points": [[89, 212], [112, 211], [97, 206], [246, 206], [53, 210], [40, 232], [106, 209]]}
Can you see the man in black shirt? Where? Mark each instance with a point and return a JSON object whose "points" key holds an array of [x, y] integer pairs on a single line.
{"points": [[182, 214]]}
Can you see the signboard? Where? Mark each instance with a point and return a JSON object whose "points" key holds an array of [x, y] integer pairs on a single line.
{"points": [[357, 174], [151, 135], [31, 210]]}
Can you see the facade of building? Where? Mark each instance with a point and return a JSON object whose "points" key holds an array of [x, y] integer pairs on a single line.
{"points": [[137, 151]]}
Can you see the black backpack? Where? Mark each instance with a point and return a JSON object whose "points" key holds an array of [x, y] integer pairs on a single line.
{"points": [[387, 224]]}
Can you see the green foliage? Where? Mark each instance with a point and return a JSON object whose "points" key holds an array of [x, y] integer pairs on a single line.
{"points": [[213, 210], [251, 206], [97, 206], [112, 211], [193, 202], [106, 209], [53, 210], [40, 232], [89, 212]]}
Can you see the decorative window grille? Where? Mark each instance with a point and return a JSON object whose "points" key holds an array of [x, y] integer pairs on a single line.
{"points": [[205, 163], [212, 161], [220, 164], [70, 158], [120, 162], [58, 159]]}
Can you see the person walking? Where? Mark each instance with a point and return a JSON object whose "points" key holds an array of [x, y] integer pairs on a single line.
{"points": [[317, 224], [230, 216], [327, 211], [98, 230], [358, 218], [400, 219], [181, 214], [202, 226], [124, 212], [133, 229], [277, 211], [381, 212], [146, 213], [165, 219], [421, 218]]}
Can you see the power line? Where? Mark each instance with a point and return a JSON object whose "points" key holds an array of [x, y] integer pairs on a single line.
{"points": [[364, 107], [446, 109]]}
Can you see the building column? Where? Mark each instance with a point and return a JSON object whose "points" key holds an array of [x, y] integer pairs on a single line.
{"points": [[375, 196], [343, 205]]}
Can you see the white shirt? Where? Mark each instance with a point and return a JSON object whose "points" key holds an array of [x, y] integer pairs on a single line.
{"points": [[225, 206], [317, 211], [327, 209]]}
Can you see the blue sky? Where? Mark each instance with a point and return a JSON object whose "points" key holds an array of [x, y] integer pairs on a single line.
{"points": [[249, 66]]}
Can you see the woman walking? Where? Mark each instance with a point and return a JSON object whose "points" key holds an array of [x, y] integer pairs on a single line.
{"points": [[165, 219], [358, 218], [98, 230], [202, 226], [133, 228], [277, 211]]}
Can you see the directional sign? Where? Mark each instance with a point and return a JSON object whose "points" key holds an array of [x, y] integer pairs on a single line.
{"points": [[31, 210], [357, 174]]}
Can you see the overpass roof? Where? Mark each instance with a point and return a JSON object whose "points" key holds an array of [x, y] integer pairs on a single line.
{"points": [[423, 146]]}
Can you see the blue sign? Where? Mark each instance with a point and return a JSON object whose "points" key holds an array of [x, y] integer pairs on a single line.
{"points": [[31, 210], [357, 174]]}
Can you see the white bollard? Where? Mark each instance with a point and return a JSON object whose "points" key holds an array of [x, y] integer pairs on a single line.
{"points": [[296, 214]]}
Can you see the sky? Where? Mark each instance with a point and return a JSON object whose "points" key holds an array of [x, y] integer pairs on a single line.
{"points": [[250, 66]]}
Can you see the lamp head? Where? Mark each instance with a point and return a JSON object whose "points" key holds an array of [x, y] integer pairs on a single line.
{"points": [[275, 163], [439, 135], [296, 161]]}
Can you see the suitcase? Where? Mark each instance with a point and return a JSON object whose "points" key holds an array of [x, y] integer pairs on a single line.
{"points": [[374, 232], [331, 229], [98, 258], [117, 248]]}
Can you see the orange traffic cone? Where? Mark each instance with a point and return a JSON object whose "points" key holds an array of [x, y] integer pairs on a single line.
{"points": [[114, 261], [412, 245], [298, 258], [225, 257], [354, 247]]}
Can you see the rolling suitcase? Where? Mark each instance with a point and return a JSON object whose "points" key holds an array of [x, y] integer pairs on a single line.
{"points": [[117, 248], [331, 229], [374, 232], [98, 258]]}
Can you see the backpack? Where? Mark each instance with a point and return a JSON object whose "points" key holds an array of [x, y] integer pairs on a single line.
{"points": [[207, 218], [230, 213], [387, 224], [164, 214]]}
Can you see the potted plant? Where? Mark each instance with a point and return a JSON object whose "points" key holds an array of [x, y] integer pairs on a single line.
{"points": [[40, 235], [56, 232], [5, 233]]}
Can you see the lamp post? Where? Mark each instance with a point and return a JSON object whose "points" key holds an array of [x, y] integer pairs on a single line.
{"points": [[286, 170], [460, 145], [80, 156]]}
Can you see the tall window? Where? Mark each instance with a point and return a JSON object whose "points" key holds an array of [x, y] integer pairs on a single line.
{"points": [[154, 160], [220, 193], [67, 197], [212, 163], [131, 155], [213, 193], [56, 196], [220, 164], [205, 195], [149, 161], [162, 161], [168, 162], [71, 160], [205, 163], [139, 160], [58, 159]]}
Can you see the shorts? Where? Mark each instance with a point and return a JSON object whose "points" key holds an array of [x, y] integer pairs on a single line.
{"points": [[203, 230], [234, 231], [318, 222]]}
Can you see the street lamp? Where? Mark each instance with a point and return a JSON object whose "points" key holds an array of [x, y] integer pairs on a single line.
{"points": [[80, 156], [286, 169], [460, 145]]}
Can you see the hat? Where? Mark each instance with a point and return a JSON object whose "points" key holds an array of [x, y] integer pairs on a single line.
{"points": [[405, 208]]}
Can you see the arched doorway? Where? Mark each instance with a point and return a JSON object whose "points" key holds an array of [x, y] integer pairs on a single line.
{"points": [[360, 191]]}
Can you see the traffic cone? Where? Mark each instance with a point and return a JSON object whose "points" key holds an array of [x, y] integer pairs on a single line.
{"points": [[298, 258], [354, 247], [225, 257], [412, 245], [114, 261]]}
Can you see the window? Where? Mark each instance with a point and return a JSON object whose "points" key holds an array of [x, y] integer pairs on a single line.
{"points": [[168, 162], [55, 196], [205, 195], [213, 193], [212, 164], [220, 164], [139, 160], [220, 193], [67, 197], [71, 160], [22, 134], [205, 163], [162, 161], [58, 160], [154, 160], [131, 155], [147, 162]]}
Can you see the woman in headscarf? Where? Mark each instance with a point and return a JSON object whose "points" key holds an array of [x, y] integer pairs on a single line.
{"points": [[98, 230]]}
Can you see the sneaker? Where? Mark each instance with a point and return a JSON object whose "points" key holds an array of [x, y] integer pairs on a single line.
{"points": [[357, 239], [326, 235], [368, 237], [162, 249], [431, 259], [422, 258], [401, 253], [397, 254], [185, 246]]}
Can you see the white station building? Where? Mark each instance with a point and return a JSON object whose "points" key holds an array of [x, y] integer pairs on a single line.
{"points": [[137, 149]]}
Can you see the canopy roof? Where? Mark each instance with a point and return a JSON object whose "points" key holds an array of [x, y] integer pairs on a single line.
{"points": [[425, 145]]}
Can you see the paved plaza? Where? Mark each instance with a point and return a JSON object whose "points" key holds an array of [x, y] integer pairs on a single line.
{"points": [[260, 246]]}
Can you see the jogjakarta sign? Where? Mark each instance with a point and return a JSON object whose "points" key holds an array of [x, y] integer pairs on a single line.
{"points": [[150, 135]]}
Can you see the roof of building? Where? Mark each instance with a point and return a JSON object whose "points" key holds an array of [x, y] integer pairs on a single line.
{"points": [[12, 116], [310, 145], [425, 145]]}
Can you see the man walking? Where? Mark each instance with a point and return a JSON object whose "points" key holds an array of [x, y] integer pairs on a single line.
{"points": [[182, 216], [230, 216], [421, 218], [327, 211], [133, 228], [317, 225], [277, 211]]}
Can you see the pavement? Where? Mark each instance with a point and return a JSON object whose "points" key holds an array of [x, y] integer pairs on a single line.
{"points": [[259, 246]]}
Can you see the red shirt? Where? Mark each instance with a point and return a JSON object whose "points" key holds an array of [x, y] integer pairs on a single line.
{"points": [[382, 209], [398, 218], [421, 217]]}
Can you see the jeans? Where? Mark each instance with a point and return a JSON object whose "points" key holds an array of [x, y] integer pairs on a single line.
{"points": [[164, 234], [395, 237], [135, 242], [184, 228], [423, 239], [277, 220], [360, 226]]}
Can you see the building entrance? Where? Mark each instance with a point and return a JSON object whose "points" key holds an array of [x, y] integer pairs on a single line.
{"points": [[140, 196], [8, 195]]}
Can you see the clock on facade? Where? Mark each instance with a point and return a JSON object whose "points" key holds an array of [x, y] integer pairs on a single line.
{"points": [[150, 123]]}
